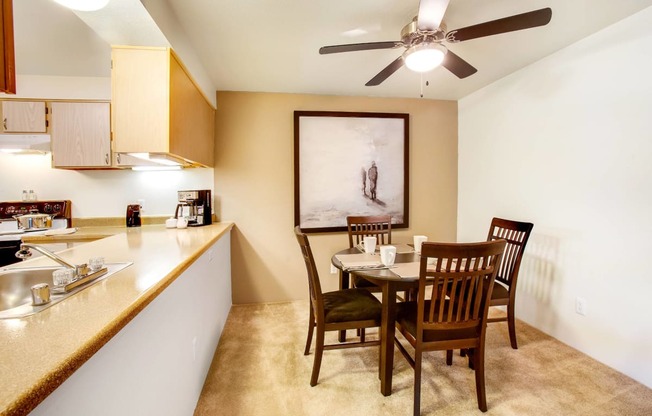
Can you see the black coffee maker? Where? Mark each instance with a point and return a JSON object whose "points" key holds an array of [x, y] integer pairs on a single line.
{"points": [[196, 206]]}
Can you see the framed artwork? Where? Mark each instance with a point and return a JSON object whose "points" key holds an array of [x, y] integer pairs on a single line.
{"points": [[349, 164]]}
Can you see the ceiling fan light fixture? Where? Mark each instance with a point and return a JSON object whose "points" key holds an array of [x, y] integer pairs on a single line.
{"points": [[424, 57], [83, 5]]}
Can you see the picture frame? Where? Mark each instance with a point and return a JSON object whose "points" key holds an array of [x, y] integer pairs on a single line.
{"points": [[350, 163]]}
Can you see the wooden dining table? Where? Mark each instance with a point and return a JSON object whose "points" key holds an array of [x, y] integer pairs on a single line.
{"points": [[390, 283]]}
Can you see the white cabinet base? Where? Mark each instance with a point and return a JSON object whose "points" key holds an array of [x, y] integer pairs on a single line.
{"points": [[157, 364]]}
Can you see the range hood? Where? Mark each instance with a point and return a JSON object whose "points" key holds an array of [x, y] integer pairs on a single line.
{"points": [[25, 143]]}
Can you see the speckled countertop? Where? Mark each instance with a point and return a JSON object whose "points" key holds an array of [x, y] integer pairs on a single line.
{"points": [[39, 352]]}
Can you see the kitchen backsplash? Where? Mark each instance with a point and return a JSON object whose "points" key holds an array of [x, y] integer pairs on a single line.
{"points": [[102, 193]]}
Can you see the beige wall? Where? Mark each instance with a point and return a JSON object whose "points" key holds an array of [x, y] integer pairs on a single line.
{"points": [[254, 185]]}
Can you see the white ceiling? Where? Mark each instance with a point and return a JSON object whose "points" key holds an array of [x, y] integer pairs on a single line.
{"points": [[50, 40], [265, 45], [272, 45]]}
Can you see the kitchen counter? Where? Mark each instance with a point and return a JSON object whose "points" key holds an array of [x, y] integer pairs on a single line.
{"points": [[83, 234], [38, 353]]}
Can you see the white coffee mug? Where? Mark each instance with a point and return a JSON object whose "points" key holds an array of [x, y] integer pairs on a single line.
{"points": [[418, 239], [369, 245], [182, 222], [387, 255]]}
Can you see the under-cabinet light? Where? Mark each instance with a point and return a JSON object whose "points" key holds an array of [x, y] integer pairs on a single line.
{"points": [[156, 158], [151, 168]]}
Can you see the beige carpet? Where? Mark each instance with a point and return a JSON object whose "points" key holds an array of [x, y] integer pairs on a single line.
{"points": [[259, 369]]}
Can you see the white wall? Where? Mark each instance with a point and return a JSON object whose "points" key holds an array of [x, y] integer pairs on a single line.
{"points": [[101, 193], [566, 143], [59, 87], [98, 193], [166, 19]]}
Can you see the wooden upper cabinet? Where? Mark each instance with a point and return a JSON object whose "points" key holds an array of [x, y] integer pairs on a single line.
{"points": [[7, 55], [81, 135], [157, 107], [23, 116]]}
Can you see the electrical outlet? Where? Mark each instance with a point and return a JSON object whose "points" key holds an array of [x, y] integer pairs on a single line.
{"points": [[333, 269], [580, 306]]}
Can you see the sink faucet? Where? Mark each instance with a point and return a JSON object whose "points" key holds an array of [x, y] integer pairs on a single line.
{"points": [[24, 253]]}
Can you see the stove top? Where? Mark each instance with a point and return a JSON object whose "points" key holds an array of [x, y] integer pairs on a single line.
{"points": [[58, 209]]}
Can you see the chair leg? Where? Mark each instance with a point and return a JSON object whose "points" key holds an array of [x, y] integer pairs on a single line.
{"points": [[417, 382], [463, 352], [361, 334], [319, 351], [470, 352], [449, 357], [479, 378], [511, 324], [311, 327]]}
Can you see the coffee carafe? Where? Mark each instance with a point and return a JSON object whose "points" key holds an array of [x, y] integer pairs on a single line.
{"points": [[182, 211], [195, 205]]}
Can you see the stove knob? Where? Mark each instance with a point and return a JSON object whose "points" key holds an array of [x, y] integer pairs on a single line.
{"points": [[47, 208], [57, 208]]}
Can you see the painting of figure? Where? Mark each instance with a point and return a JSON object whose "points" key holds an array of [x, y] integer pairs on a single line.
{"points": [[350, 164]]}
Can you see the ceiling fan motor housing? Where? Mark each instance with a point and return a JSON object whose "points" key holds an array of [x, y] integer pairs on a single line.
{"points": [[411, 35]]}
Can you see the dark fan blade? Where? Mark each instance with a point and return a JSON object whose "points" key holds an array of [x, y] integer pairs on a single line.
{"points": [[458, 66], [324, 50], [431, 13], [385, 73], [508, 24]]}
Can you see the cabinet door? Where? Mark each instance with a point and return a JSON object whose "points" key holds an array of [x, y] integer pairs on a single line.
{"points": [[140, 99], [81, 136], [23, 116], [7, 54], [192, 118]]}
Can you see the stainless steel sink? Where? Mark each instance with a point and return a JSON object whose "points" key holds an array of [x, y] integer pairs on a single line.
{"points": [[15, 285]]}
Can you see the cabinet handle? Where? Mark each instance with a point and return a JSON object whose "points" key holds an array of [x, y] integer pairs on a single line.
{"points": [[106, 159], [4, 123], [118, 158]]}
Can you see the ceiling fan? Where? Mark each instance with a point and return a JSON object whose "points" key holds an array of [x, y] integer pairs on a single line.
{"points": [[423, 39]]}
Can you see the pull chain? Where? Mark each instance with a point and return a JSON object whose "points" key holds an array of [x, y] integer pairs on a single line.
{"points": [[421, 84]]}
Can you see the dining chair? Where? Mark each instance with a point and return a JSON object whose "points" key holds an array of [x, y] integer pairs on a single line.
{"points": [[443, 320], [504, 294], [361, 226], [334, 311]]}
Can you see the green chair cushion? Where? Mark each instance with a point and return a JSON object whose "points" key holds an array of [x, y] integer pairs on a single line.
{"points": [[406, 316], [351, 305]]}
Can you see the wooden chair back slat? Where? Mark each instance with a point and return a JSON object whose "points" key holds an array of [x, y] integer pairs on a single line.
{"points": [[314, 286], [516, 234], [458, 283], [360, 226]]}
